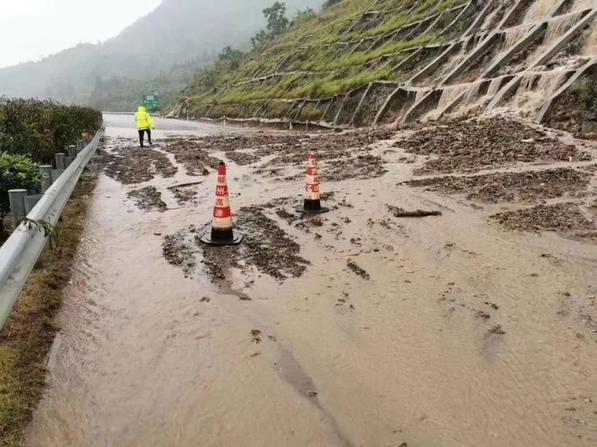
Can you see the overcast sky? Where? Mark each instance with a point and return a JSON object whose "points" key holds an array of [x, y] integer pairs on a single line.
{"points": [[32, 29]]}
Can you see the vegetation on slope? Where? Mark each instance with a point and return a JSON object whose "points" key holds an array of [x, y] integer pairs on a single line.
{"points": [[347, 46]]}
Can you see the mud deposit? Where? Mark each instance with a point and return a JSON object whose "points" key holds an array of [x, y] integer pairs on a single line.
{"points": [[148, 198], [266, 248], [510, 186], [343, 155], [130, 164], [467, 146], [562, 217], [192, 154], [402, 317]]}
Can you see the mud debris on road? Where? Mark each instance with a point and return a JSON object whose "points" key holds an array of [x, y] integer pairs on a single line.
{"points": [[471, 145], [191, 153], [358, 270], [401, 212], [562, 217], [266, 248], [148, 199], [449, 294], [510, 186], [129, 164]]}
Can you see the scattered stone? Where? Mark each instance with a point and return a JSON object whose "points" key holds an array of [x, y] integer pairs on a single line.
{"points": [[497, 330], [256, 334], [357, 270]]}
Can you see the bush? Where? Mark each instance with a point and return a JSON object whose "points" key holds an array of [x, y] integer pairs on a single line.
{"points": [[16, 172], [39, 129]]}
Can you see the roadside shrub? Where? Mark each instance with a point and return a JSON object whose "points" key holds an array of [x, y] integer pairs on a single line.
{"points": [[39, 129], [16, 172]]}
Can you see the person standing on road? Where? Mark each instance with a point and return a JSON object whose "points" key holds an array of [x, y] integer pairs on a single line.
{"points": [[144, 125]]}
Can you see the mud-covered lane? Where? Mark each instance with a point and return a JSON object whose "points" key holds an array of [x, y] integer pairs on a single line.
{"points": [[356, 328]]}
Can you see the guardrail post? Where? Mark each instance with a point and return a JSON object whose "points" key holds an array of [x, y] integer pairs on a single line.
{"points": [[80, 146], [67, 161], [46, 177], [31, 201], [60, 161], [55, 173], [21, 250], [16, 199], [72, 151]]}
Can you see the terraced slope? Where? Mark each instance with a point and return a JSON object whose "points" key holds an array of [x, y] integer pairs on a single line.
{"points": [[390, 61]]}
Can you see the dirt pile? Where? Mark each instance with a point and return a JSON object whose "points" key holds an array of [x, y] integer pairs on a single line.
{"points": [[510, 186], [471, 145]]}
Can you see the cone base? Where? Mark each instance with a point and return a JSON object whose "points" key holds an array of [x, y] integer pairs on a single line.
{"points": [[321, 210], [236, 239]]}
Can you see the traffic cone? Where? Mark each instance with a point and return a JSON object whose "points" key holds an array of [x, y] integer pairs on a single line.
{"points": [[222, 232], [312, 203]]}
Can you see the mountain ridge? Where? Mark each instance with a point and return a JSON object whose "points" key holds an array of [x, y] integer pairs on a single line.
{"points": [[176, 32]]}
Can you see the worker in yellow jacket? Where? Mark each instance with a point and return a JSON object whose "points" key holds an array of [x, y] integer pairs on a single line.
{"points": [[144, 124]]}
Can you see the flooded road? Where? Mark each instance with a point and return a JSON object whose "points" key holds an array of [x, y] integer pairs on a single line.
{"points": [[455, 333]]}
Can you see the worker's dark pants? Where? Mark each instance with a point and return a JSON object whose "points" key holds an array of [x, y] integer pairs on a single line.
{"points": [[142, 135]]}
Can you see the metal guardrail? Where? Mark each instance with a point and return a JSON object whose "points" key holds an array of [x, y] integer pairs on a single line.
{"points": [[22, 249]]}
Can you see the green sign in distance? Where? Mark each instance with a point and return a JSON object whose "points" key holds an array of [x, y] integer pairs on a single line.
{"points": [[151, 102]]}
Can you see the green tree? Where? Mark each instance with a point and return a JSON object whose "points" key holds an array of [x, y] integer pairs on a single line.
{"points": [[277, 24]]}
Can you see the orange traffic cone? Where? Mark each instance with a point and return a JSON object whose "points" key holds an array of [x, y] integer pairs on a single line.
{"points": [[222, 232], [312, 203]]}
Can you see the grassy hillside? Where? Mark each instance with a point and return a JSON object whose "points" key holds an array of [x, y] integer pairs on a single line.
{"points": [[345, 47], [389, 61]]}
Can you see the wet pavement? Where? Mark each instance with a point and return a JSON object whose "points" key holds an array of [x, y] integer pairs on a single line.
{"points": [[356, 328]]}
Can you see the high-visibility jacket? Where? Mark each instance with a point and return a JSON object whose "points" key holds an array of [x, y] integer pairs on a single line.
{"points": [[144, 119]]}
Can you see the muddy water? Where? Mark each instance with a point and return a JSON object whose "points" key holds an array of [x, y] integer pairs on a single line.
{"points": [[464, 335]]}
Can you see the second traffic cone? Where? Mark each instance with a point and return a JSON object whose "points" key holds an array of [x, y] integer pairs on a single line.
{"points": [[222, 231], [312, 204]]}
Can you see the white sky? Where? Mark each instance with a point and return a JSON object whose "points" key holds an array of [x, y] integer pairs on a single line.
{"points": [[32, 29]]}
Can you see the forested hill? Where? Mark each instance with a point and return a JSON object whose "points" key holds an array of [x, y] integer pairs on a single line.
{"points": [[363, 62], [160, 51]]}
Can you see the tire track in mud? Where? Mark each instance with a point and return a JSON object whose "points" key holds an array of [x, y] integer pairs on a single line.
{"points": [[291, 371]]}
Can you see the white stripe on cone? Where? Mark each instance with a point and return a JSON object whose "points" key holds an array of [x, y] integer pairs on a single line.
{"points": [[312, 186], [222, 218]]}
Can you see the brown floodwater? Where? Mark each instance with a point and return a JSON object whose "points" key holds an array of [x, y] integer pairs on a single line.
{"points": [[463, 336]]}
